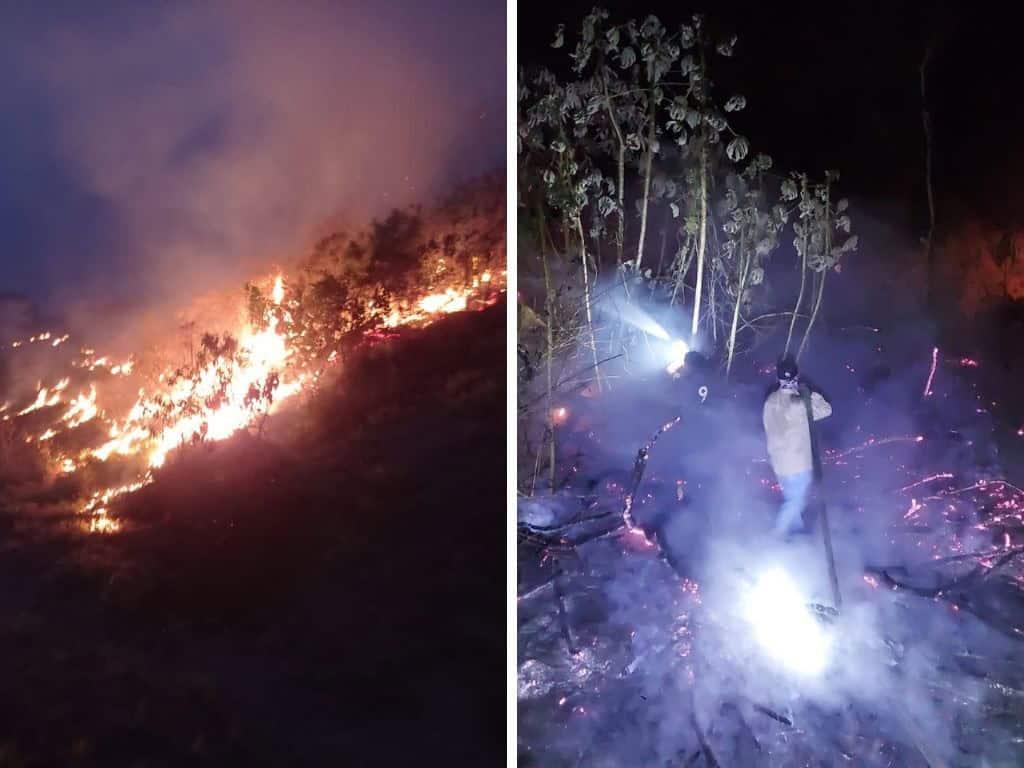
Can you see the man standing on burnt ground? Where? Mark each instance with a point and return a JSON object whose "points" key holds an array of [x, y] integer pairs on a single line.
{"points": [[787, 427]]}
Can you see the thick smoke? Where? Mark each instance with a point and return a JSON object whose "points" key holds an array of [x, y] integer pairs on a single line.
{"points": [[660, 655], [206, 139]]}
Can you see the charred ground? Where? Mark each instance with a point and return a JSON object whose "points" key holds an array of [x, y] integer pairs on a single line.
{"points": [[313, 597]]}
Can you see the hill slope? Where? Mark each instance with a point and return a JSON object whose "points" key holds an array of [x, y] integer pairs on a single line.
{"points": [[331, 599]]}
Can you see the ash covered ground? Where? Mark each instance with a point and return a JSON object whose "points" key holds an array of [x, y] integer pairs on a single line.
{"points": [[314, 597], [694, 637]]}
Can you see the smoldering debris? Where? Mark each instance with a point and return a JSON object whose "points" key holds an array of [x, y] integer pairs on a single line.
{"points": [[680, 654]]}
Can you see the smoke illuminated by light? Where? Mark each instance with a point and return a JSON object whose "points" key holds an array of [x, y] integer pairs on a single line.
{"points": [[784, 626]]}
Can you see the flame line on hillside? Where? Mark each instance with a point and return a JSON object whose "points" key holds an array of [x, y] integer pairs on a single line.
{"points": [[218, 398]]}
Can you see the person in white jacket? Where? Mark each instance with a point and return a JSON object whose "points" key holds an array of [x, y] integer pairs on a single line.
{"points": [[788, 435]]}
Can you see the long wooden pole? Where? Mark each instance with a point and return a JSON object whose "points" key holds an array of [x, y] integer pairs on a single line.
{"points": [[822, 503]]}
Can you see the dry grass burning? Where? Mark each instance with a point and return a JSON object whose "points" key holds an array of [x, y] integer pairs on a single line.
{"points": [[294, 332]]}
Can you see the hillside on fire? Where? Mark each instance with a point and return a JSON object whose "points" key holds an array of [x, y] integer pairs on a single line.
{"points": [[216, 548], [770, 432]]}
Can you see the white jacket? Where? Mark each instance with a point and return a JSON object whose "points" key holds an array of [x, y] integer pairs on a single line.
{"points": [[787, 431]]}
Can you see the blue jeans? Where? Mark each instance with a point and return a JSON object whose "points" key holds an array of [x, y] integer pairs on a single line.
{"points": [[795, 490]]}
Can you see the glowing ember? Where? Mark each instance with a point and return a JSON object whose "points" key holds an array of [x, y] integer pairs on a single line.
{"points": [[931, 374], [915, 507], [278, 292], [559, 415]]}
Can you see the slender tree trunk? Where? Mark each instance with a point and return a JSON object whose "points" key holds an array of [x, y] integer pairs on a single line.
{"points": [[597, 249], [824, 272], [651, 137], [701, 242], [621, 167], [683, 269], [620, 238], [542, 231], [586, 299], [800, 295], [814, 314], [736, 308], [549, 306], [661, 257], [713, 300]]}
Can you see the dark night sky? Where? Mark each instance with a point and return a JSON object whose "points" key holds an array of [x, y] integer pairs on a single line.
{"points": [[148, 145], [836, 85]]}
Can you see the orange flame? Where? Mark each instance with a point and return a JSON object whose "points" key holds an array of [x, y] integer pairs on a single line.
{"points": [[214, 402]]}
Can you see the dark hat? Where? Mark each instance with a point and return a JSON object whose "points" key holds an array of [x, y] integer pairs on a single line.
{"points": [[786, 368]]}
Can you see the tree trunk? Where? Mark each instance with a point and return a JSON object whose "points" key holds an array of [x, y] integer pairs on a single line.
{"points": [[713, 300], [549, 306], [736, 308], [682, 270], [621, 167], [597, 249], [661, 256], [701, 242], [814, 314], [620, 241], [800, 295], [651, 137], [542, 230], [824, 272], [586, 299]]}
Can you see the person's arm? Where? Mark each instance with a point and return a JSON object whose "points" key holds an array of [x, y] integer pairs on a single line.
{"points": [[820, 407]]}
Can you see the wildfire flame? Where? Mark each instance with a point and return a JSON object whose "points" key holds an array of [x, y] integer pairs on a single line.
{"points": [[212, 404]]}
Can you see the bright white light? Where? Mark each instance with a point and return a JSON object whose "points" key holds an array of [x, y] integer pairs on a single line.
{"points": [[784, 626], [677, 355]]}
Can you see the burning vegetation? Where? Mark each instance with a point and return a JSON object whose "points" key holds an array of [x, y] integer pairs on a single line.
{"points": [[103, 426]]}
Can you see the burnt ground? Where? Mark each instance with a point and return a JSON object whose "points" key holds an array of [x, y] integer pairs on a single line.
{"points": [[331, 594]]}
